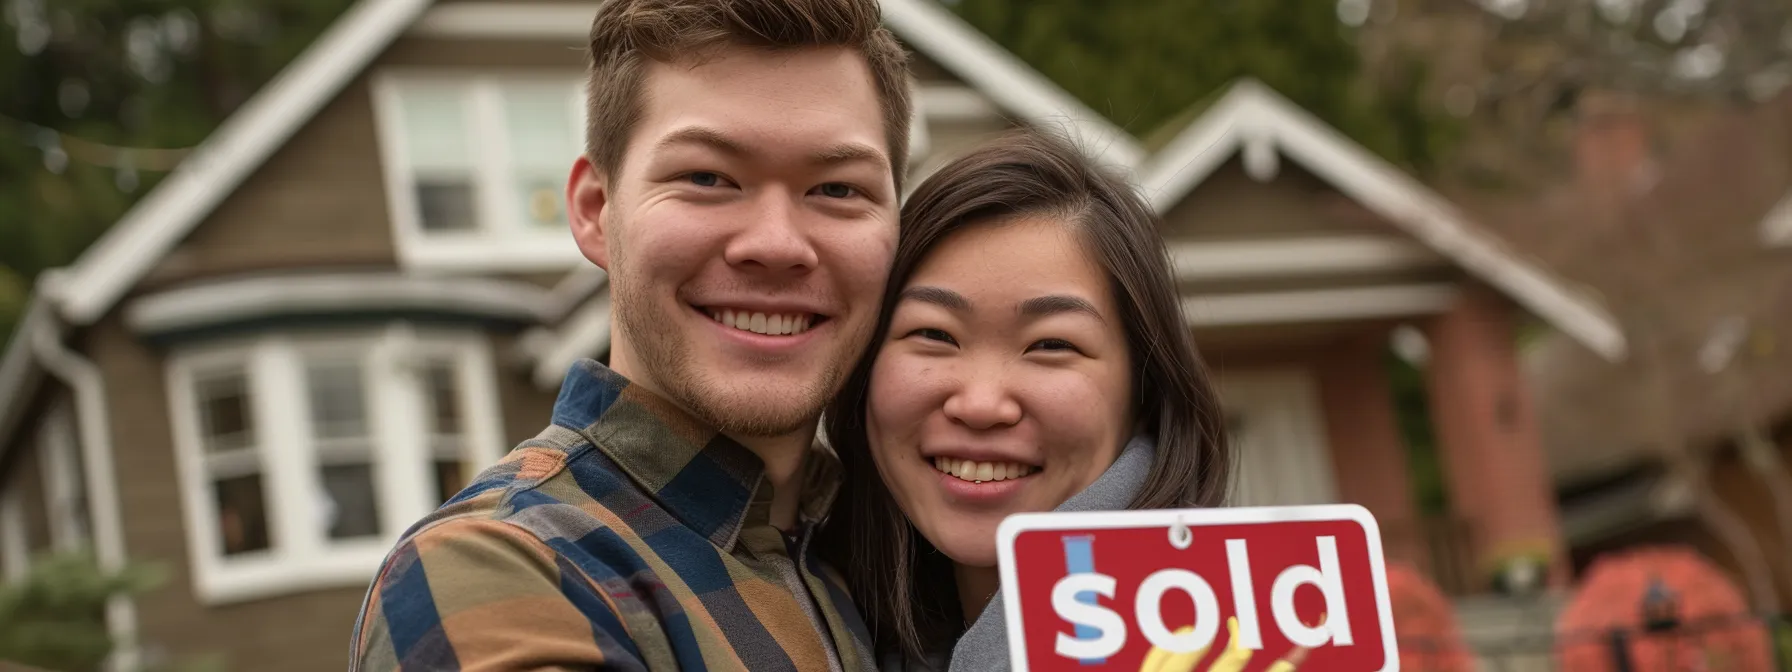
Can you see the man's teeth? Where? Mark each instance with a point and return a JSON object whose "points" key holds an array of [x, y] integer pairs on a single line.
{"points": [[770, 324], [967, 470]]}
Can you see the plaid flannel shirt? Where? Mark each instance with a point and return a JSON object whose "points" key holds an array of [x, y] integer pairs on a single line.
{"points": [[626, 536]]}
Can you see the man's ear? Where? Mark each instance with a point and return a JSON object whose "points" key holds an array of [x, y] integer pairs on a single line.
{"points": [[587, 207]]}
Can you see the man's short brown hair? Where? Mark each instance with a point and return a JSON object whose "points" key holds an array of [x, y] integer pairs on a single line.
{"points": [[626, 33]]}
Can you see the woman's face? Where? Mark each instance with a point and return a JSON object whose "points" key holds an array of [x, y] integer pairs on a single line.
{"points": [[1003, 385]]}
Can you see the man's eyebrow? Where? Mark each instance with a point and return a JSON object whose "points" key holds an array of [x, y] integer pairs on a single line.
{"points": [[851, 152], [701, 135], [939, 296], [1053, 304]]}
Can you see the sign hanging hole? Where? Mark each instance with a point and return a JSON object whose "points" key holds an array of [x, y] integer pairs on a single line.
{"points": [[1180, 536]]}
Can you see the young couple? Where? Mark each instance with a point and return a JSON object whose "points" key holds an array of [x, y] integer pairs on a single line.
{"points": [[1012, 343]]}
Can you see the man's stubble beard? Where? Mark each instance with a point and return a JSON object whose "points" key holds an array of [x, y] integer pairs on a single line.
{"points": [[663, 352]]}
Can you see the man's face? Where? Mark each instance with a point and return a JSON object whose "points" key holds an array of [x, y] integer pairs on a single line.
{"points": [[747, 234]]}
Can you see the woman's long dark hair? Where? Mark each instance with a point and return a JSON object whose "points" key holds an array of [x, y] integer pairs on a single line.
{"points": [[903, 585]]}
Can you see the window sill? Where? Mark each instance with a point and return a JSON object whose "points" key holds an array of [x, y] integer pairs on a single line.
{"points": [[257, 577], [483, 252]]}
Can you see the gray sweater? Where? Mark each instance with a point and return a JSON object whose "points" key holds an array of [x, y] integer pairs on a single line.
{"points": [[984, 645]]}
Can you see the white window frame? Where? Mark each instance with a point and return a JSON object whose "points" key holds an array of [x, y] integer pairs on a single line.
{"points": [[64, 481], [500, 241], [300, 555]]}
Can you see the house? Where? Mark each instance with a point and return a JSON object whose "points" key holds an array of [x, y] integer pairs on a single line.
{"points": [[1693, 258], [360, 290]]}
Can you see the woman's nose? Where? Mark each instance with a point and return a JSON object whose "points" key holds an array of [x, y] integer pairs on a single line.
{"points": [[983, 404]]}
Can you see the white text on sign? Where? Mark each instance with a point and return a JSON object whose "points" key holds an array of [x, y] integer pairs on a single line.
{"points": [[1334, 630]]}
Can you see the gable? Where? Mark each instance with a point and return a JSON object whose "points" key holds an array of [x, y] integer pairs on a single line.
{"points": [[1265, 131], [318, 201]]}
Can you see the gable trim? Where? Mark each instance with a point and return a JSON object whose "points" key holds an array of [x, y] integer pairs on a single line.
{"points": [[228, 156], [1251, 114]]}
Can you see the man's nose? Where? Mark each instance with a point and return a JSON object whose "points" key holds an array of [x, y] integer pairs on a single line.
{"points": [[773, 238], [982, 401]]}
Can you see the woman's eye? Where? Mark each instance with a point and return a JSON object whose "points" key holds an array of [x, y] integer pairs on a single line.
{"points": [[934, 335], [837, 190], [1054, 345], [704, 179]]}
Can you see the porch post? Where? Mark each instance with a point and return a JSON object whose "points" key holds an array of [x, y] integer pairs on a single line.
{"points": [[1368, 453], [1487, 433]]}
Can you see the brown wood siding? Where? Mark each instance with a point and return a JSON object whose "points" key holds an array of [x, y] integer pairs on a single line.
{"points": [[1230, 205], [527, 409], [304, 631], [317, 202]]}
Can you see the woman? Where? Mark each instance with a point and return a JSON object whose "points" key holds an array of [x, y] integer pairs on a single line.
{"points": [[1032, 356]]}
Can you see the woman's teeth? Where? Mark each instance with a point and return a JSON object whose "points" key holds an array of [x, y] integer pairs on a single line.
{"points": [[979, 472], [769, 324]]}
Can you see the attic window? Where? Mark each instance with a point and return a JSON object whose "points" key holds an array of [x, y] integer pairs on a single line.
{"points": [[476, 166]]}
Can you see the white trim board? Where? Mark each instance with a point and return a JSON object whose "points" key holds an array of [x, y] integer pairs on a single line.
{"points": [[1776, 227], [585, 334], [264, 296], [923, 24], [1317, 305], [1257, 121], [1317, 255]]}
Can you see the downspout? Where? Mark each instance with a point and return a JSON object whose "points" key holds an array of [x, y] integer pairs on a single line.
{"points": [[95, 425]]}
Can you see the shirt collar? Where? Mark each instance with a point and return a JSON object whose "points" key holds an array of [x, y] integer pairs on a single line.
{"points": [[708, 481]]}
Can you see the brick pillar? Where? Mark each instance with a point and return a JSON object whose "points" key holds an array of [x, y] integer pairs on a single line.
{"points": [[1368, 453], [1487, 432]]}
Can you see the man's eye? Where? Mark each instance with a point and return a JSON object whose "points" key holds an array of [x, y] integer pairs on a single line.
{"points": [[837, 190], [704, 179]]}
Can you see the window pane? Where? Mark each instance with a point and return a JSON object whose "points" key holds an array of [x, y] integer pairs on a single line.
{"points": [[543, 202], [445, 204], [224, 411], [450, 479], [444, 397], [349, 509], [435, 126], [242, 516], [540, 126], [338, 402]]}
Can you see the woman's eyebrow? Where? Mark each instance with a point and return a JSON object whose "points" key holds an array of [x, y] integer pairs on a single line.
{"points": [[939, 296], [1053, 304]]}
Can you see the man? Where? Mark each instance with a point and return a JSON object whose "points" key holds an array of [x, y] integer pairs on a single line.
{"points": [[740, 187]]}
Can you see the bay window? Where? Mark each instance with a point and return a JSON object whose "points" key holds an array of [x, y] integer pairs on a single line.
{"points": [[304, 457]]}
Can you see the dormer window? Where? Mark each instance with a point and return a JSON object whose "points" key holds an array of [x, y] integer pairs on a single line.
{"points": [[476, 167]]}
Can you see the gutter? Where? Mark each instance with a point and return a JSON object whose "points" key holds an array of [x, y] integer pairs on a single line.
{"points": [[95, 429]]}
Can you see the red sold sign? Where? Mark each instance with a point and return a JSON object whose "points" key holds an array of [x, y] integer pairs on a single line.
{"points": [[1236, 589]]}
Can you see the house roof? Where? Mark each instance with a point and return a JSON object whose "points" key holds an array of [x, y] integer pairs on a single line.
{"points": [[1256, 121]]}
